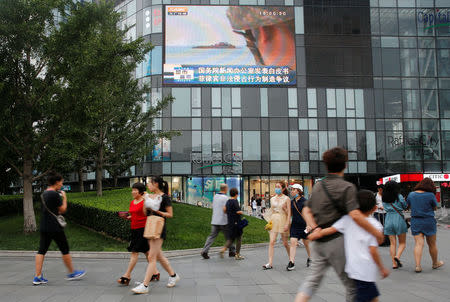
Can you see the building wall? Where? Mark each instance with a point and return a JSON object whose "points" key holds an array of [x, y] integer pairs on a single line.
{"points": [[372, 76]]}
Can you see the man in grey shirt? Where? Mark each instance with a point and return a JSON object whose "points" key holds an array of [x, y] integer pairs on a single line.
{"points": [[331, 198], [219, 221]]}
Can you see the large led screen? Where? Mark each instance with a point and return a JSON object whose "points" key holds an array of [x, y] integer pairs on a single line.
{"points": [[229, 45]]}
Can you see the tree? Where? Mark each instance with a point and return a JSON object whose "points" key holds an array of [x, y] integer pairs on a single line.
{"points": [[28, 109], [96, 65]]}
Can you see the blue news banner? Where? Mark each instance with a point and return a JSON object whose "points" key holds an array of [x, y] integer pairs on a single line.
{"points": [[232, 75]]}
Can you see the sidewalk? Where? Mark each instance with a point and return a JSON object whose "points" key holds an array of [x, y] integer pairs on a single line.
{"points": [[218, 279]]}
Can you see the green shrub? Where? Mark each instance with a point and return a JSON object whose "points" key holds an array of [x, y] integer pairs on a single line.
{"points": [[11, 205]]}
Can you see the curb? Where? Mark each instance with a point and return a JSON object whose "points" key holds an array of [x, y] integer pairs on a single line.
{"points": [[122, 255]]}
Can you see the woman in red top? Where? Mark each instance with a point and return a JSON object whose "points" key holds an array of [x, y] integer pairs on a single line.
{"points": [[138, 243]]}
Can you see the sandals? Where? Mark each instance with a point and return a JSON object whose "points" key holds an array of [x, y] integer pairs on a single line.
{"points": [[438, 265], [124, 281], [399, 264], [267, 266], [418, 269]]}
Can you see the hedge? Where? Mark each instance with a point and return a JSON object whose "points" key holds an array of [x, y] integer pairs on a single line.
{"points": [[11, 206], [99, 220]]}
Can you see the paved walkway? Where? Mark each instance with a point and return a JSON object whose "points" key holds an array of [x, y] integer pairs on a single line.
{"points": [[216, 279]]}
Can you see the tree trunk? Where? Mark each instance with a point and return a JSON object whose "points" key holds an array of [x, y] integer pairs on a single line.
{"points": [[29, 219], [99, 172], [80, 179], [115, 180]]}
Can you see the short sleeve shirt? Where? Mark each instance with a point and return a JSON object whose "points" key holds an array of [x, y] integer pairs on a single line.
{"points": [[218, 216], [233, 207], [324, 210], [359, 262], [48, 222], [422, 204]]}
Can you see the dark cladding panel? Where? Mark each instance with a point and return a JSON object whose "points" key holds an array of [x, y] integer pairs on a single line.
{"points": [[338, 44]]}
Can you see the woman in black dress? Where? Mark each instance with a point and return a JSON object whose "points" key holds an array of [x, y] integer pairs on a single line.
{"points": [[298, 226]]}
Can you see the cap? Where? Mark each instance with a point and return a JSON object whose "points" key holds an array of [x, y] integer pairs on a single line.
{"points": [[297, 186]]}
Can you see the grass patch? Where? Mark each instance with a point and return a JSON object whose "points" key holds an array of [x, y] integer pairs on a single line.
{"points": [[79, 238], [187, 229]]}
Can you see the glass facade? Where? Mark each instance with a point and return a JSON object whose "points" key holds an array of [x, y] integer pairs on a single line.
{"points": [[373, 76]]}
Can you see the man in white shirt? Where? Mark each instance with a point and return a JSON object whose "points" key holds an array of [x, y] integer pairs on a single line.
{"points": [[219, 221]]}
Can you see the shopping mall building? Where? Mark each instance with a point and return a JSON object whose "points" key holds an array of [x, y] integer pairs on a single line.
{"points": [[263, 87]]}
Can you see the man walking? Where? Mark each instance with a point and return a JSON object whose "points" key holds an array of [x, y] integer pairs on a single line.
{"points": [[219, 221], [332, 198]]}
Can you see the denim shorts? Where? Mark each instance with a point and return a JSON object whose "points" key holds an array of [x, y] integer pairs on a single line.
{"points": [[366, 291]]}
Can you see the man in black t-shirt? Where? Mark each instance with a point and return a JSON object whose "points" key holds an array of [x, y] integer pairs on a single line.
{"points": [[54, 202]]}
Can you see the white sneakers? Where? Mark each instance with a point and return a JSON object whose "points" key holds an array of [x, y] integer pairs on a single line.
{"points": [[142, 289], [173, 280]]}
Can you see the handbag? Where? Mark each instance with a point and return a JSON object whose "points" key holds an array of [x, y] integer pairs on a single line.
{"points": [[59, 218], [243, 223], [153, 227], [408, 225], [268, 226]]}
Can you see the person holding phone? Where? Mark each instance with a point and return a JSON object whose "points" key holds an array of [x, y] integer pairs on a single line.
{"points": [[138, 243]]}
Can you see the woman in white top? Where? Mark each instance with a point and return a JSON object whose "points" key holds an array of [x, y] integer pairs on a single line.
{"points": [[280, 216]]}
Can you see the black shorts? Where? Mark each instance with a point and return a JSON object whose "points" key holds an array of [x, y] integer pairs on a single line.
{"points": [[59, 238], [366, 291], [138, 243]]}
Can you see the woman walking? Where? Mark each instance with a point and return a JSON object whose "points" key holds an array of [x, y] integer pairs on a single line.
{"points": [[138, 243], [280, 215], [298, 226], [233, 211], [160, 189], [394, 224], [423, 203]]}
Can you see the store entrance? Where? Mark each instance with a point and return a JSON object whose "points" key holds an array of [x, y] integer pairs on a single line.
{"points": [[200, 190]]}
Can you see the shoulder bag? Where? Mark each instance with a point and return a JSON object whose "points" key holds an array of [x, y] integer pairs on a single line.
{"points": [[59, 218], [408, 225]]}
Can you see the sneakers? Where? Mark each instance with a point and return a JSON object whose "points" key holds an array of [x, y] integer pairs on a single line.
{"points": [[205, 255], [39, 280], [140, 289], [173, 280], [267, 266], [290, 266], [76, 275], [239, 257]]}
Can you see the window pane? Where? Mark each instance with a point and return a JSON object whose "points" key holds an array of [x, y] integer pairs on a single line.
{"points": [[393, 103], [312, 98], [236, 97], [264, 102], [206, 142], [156, 19], [429, 104], [299, 23], [331, 98], [252, 146], [156, 61], [371, 145], [394, 146], [196, 141], [444, 98], [293, 141], [408, 58], [215, 98], [391, 61], [443, 57], [226, 101], [237, 141], [427, 62], [216, 141], [351, 140], [411, 103], [196, 97], [340, 102], [407, 22], [292, 98], [279, 143], [181, 105], [388, 22]]}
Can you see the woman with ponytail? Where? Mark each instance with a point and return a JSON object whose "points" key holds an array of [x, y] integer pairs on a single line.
{"points": [[160, 190]]}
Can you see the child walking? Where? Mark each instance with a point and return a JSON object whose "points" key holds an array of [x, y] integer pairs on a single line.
{"points": [[363, 261]]}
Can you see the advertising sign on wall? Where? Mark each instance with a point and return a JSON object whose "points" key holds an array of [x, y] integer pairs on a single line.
{"points": [[229, 45]]}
